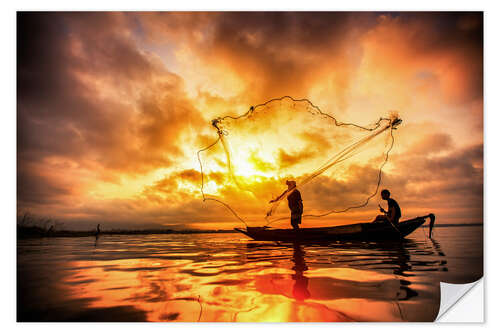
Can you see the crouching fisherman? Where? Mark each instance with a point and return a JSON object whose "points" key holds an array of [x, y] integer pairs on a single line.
{"points": [[393, 212]]}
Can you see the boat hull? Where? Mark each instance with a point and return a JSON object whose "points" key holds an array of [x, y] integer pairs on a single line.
{"points": [[358, 231]]}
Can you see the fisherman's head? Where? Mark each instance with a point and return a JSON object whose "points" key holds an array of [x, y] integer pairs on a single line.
{"points": [[291, 184], [385, 194]]}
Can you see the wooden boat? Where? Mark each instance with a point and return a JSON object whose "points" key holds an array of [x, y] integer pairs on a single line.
{"points": [[358, 231]]}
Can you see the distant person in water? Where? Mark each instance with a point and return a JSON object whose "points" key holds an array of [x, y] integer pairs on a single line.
{"points": [[294, 203], [393, 212]]}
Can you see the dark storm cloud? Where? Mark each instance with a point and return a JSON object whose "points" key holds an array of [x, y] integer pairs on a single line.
{"points": [[277, 53], [92, 97], [87, 93], [432, 143], [280, 53], [447, 46], [169, 183], [455, 193], [286, 160], [34, 189], [454, 33]]}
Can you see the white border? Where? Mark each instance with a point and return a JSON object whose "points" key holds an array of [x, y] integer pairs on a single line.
{"points": [[8, 114]]}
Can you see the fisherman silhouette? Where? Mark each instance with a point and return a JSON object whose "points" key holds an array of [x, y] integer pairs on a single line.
{"points": [[300, 291], [294, 203], [393, 212], [97, 233]]}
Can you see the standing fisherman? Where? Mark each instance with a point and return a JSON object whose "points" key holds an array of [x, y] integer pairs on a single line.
{"points": [[294, 203]]}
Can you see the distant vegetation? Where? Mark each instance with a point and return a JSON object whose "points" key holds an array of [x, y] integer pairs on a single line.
{"points": [[29, 226]]}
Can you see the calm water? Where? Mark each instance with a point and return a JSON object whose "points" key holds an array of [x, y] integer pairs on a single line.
{"points": [[227, 277]]}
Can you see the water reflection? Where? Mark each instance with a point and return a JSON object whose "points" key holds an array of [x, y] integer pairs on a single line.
{"points": [[228, 278], [300, 291]]}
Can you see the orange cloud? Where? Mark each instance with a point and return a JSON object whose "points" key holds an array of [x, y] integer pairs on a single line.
{"points": [[112, 108]]}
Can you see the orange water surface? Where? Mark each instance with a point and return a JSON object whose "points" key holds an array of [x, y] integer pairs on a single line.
{"points": [[227, 277]]}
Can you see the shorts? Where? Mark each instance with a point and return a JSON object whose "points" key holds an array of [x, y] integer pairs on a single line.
{"points": [[296, 218], [384, 219]]}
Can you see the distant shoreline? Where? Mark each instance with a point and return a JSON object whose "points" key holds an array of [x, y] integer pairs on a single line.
{"points": [[38, 232], [454, 225]]}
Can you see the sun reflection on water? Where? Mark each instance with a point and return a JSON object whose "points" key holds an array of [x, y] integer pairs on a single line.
{"points": [[227, 278]]}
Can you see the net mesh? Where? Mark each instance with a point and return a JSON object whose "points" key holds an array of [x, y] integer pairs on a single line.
{"points": [[336, 165]]}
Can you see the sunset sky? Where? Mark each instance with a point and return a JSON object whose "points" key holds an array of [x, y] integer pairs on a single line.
{"points": [[112, 108]]}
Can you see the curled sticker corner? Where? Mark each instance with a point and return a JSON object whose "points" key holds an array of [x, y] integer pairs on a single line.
{"points": [[451, 293]]}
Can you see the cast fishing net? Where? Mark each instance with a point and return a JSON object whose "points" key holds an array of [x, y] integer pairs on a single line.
{"points": [[337, 165]]}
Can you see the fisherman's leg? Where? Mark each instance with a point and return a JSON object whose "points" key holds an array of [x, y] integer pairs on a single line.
{"points": [[380, 219], [295, 219]]}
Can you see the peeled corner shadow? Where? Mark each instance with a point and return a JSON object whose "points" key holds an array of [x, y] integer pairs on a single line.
{"points": [[451, 294]]}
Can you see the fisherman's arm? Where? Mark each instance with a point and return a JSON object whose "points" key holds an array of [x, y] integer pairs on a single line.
{"points": [[391, 214], [279, 197]]}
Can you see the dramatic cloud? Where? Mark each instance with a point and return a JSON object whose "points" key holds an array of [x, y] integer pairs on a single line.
{"points": [[89, 97], [112, 108]]}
